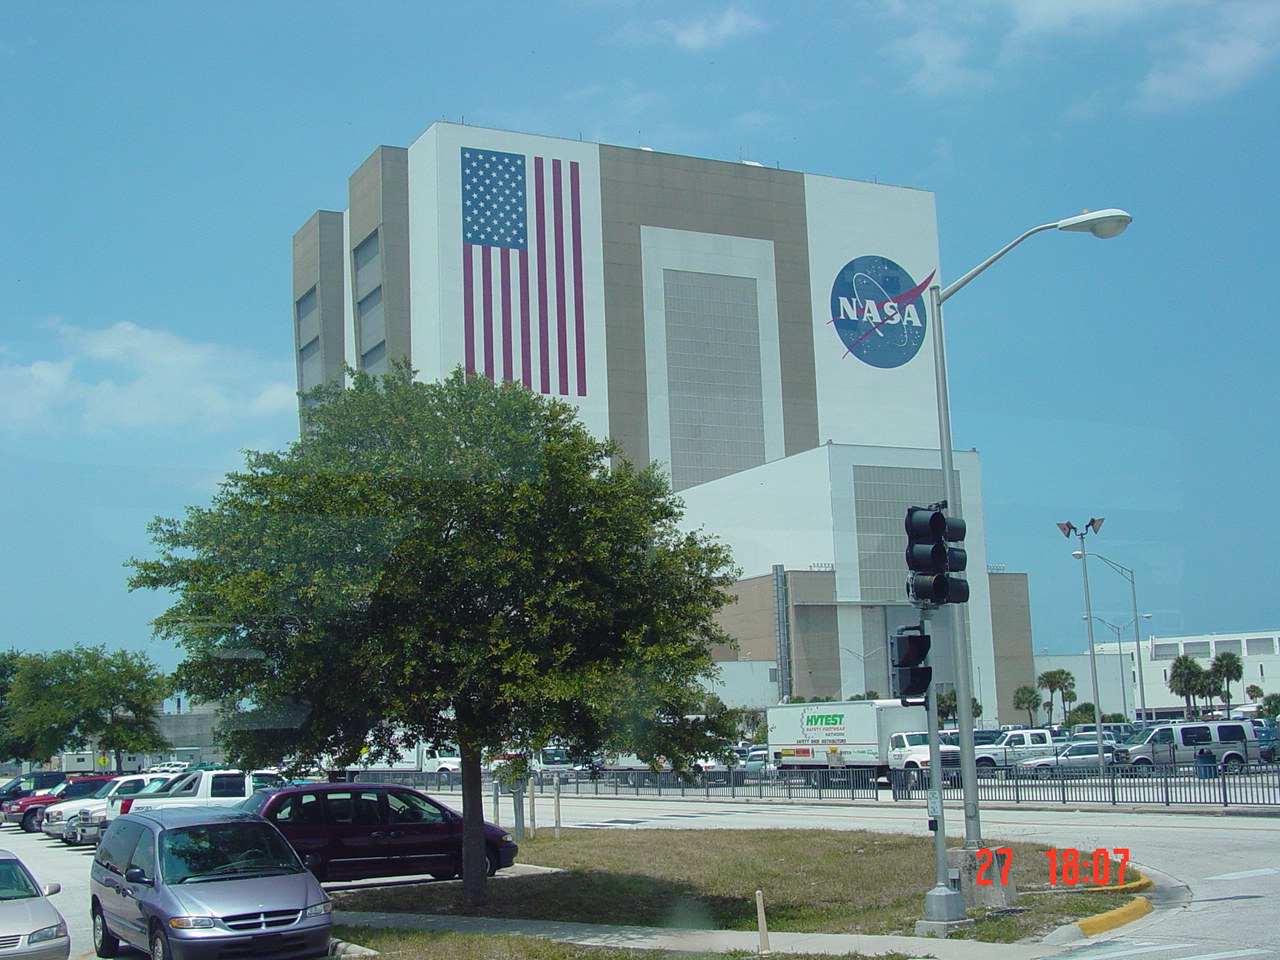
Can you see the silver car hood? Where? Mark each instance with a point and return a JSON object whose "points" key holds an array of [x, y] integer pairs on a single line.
{"points": [[27, 915], [223, 898]]}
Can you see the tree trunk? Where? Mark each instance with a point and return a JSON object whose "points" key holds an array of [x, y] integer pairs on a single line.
{"points": [[474, 863]]}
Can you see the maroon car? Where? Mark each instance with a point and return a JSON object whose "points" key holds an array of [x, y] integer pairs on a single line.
{"points": [[348, 831], [27, 811]]}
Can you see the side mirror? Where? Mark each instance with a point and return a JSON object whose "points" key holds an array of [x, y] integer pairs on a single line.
{"points": [[311, 861], [136, 875], [49, 889]]}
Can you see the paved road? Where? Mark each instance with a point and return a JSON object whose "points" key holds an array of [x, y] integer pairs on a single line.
{"points": [[1221, 874], [1228, 865]]}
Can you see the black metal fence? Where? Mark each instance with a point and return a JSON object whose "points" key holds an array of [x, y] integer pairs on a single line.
{"points": [[1158, 784]]}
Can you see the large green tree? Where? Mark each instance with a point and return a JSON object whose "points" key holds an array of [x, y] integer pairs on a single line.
{"points": [[65, 699], [1060, 681], [12, 745], [454, 561]]}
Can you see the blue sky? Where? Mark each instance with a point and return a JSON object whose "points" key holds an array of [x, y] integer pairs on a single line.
{"points": [[157, 158]]}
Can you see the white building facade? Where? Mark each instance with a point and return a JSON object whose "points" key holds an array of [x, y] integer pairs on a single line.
{"points": [[763, 334]]}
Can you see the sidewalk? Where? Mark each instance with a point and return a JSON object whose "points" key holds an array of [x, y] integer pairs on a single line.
{"points": [[708, 941]]}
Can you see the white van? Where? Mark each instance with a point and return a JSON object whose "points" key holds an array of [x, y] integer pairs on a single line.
{"points": [[1233, 743]]}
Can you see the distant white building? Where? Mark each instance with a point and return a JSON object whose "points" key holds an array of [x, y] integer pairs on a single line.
{"points": [[1119, 671]]}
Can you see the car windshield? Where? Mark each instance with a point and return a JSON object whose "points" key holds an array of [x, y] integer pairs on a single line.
{"points": [[158, 786], [105, 789], [918, 739], [232, 850], [255, 801], [15, 882]]}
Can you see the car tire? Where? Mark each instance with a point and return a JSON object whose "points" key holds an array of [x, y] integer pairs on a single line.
{"points": [[446, 874], [29, 821], [105, 943], [159, 945], [1044, 773], [490, 861]]}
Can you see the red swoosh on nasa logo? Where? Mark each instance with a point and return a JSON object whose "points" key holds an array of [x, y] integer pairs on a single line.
{"points": [[901, 298]]}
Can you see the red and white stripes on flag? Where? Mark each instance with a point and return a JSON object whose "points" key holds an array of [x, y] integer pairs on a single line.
{"points": [[523, 311]]}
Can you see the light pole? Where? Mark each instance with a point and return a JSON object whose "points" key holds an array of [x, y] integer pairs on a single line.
{"points": [[1069, 530], [1103, 224], [1125, 680], [862, 658], [1137, 641]]}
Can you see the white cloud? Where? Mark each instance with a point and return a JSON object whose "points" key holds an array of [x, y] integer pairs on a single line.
{"points": [[702, 33], [934, 63], [127, 377], [1214, 59]]}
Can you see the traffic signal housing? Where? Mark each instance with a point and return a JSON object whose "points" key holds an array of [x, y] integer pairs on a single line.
{"points": [[911, 677], [932, 561]]}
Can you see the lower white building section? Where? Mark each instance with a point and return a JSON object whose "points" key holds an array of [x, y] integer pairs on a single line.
{"points": [[819, 538]]}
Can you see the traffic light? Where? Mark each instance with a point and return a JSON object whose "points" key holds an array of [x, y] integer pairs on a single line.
{"points": [[932, 562], [911, 678]]}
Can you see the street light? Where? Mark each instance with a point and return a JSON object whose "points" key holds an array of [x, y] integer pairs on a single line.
{"points": [[1117, 628], [1103, 224], [1137, 642], [862, 658], [1069, 530]]}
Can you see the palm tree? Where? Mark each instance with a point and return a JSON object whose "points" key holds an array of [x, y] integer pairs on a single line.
{"points": [[1028, 699], [1056, 681], [1228, 667], [1184, 679], [1210, 688], [946, 704], [1253, 692]]}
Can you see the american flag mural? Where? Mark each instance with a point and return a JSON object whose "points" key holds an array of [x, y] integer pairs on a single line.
{"points": [[522, 287]]}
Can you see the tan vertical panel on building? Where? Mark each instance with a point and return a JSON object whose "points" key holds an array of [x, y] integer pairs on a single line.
{"points": [[379, 200], [1011, 639], [317, 264], [646, 188]]}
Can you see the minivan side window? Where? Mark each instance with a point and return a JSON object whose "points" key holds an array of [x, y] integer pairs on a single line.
{"points": [[1230, 733], [1193, 736], [117, 846], [1163, 735]]}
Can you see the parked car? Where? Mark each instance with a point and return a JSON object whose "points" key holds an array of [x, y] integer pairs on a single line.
{"points": [[30, 926], [196, 882], [1233, 743], [758, 765], [27, 811], [348, 831], [29, 783], [1074, 760], [63, 819]]}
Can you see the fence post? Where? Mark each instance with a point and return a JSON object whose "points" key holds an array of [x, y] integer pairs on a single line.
{"points": [[1112, 772], [1222, 775]]}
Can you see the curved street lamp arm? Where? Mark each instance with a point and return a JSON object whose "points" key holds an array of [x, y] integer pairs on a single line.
{"points": [[951, 288], [1118, 568]]}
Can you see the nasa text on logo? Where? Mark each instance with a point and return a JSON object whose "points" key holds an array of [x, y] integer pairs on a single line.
{"points": [[878, 311]]}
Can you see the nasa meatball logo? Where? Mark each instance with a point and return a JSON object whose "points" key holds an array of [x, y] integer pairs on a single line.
{"points": [[879, 312]]}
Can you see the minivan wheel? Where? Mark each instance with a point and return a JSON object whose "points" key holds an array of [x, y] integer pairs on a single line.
{"points": [[29, 822], [104, 942], [159, 945], [1233, 765]]}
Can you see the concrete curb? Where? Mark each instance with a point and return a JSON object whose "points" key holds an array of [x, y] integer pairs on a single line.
{"points": [[1137, 908], [341, 948]]}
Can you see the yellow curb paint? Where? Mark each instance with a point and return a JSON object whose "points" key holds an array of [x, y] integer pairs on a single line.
{"points": [[1133, 886], [1092, 926]]}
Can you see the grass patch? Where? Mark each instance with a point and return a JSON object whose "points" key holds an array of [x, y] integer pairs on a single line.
{"points": [[420, 945], [814, 881]]}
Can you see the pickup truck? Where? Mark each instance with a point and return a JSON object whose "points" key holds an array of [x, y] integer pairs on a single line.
{"points": [[1014, 746], [910, 751], [28, 811], [199, 788]]}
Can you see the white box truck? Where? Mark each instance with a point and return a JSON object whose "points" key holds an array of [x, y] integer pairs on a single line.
{"points": [[810, 737]]}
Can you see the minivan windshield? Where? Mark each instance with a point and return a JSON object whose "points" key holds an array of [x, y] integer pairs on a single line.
{"points": [[231, 850]]}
